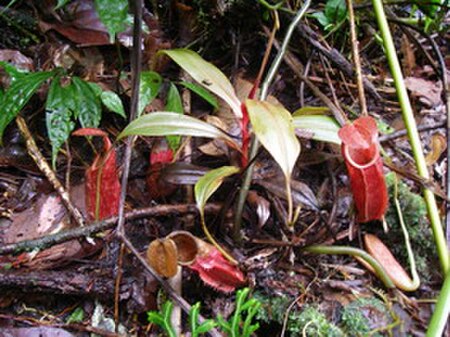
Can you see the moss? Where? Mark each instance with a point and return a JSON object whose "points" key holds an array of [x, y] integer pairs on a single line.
{"points": [[363, 315], [311, 322], [415, 216]]}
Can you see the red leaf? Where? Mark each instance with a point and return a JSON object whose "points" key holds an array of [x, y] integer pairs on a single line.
{"points": [[103, 172], [360, 149], [218, 272]]}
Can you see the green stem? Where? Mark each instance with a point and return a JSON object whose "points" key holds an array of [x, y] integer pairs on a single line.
{"points": [[345, 250], [410, 123], [263, 95], [214, 242], [441, 312]]}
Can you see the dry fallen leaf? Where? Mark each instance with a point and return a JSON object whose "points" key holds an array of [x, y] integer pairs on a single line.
{"points": [[428, 92]]}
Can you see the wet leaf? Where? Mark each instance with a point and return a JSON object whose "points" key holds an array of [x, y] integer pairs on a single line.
{"points": [[88, 108], [162, 257], [113, 102], [59, 109], [148, 89], [174, 104], [273, 127], [18, 94], [208, 75], [210, 182], [171, 123], [383, 255], [113, 14], [203, 93], [438, 146]]}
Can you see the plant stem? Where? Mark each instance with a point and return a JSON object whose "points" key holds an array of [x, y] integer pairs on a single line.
{"points": [[263, 95], [441, 312], [345, 250], [410, 123]]}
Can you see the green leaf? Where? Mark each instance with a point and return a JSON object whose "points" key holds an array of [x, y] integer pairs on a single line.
{"points": [[273, 127], [76, 316], [210, 182], [323, 128], [59, 107], [208, 75], [162, 319], [88, 108], [203, 93], [172, 123], [312, 110], [17, 95], [61, 3], [113, 14], [148, 89], [335, 10], [173, 103], [12, 71], [113, 102]]}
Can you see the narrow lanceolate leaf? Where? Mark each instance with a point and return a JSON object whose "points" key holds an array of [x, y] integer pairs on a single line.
{"points": [[113, 14], [210, 182], [322, 128], [88, 108], [148, 89], [273, 127], [17, 95], [113, 102], [171, 123], [174, 103], [208, 75]]}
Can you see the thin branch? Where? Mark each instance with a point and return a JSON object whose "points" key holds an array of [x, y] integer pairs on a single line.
{"points": [[45, 168], [96, 227], [356, 59]]}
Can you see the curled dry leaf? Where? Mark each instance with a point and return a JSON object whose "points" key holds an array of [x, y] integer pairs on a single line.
{"points": [[162, 257], [360, 149], [377, 249]]}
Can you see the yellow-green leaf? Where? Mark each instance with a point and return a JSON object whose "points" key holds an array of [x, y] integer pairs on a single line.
{"points": [[172, 123], [210, 182], [208, 75], [323, 128], [273, 127]]}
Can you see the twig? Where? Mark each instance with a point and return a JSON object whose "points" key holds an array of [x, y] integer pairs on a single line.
{"points": [[335, 57], [356, 59], [404, 132], [136, 59], [45, 168], [96, 227]]}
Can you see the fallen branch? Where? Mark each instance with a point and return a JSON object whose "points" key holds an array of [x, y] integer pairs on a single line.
{"points": [[81, 232]]}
